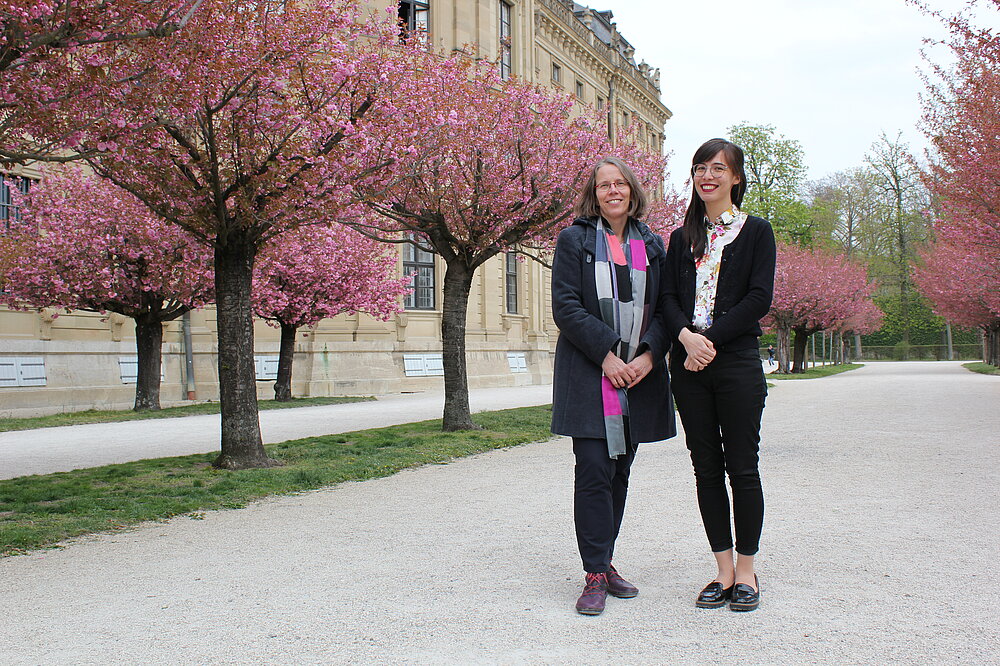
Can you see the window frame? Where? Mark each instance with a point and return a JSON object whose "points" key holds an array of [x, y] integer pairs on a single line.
{"points": [[8, 209], [414, 17], [415, 259], [556, 72], [511, 275], [506, 26]]}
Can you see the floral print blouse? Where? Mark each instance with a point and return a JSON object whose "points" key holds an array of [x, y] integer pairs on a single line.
{"points": [[720, 234]]}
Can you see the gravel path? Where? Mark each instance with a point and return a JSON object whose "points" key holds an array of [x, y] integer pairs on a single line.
{"points": [[880, 541]]}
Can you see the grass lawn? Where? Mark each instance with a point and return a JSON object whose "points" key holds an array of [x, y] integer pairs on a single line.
{"points": [[982, 368], [96, 416], [818, 371], [42, 510]]}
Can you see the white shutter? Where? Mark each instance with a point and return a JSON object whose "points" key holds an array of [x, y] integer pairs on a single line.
{"points": [[8, 372], [266, 367], [413, 365], [434, 365], [128, 368], [423, 365], [517, 362], [31, 371]]}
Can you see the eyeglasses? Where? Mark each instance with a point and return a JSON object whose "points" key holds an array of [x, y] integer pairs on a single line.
{"points": [[702, 169], [619, 185]]}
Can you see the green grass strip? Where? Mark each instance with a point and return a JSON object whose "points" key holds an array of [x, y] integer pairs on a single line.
{"points": [[42, 510], [818, 371], [98, 416], [982, 368]]}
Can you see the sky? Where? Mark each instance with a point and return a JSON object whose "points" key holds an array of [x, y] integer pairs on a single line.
{"points": [[832, 75]]}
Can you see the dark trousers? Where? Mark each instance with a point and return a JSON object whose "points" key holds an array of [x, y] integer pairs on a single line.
{"points": [[720, 408], [599, 500]]}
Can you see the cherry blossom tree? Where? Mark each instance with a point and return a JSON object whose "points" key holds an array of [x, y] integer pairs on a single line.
{"points": [[498, 170], [866, 318], [961, 271], [952, 279], [317, 272], [256, 119], [815, 291], [42, 40], [84, 244]]}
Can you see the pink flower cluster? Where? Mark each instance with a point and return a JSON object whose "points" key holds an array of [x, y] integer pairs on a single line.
{"points": [[322, 271], [814, 290], [960, 270], [84, 244]]}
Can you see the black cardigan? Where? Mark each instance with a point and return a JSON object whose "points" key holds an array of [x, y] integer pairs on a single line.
{"points": [[744, 292], [584, 341]]}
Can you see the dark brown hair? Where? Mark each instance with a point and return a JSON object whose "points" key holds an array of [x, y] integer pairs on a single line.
{"points": [[695, 230], [587, 204]]}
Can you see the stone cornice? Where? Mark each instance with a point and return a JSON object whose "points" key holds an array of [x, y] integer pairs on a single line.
{"points": [[557, 21]]}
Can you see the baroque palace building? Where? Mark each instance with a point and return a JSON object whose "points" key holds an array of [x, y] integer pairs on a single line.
{"points": [[51, 362]]}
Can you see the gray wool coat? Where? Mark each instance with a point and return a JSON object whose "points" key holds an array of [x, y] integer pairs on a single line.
{"points": [[584, 341]]}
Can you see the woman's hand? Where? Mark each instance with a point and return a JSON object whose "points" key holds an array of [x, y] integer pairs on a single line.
{"points": [[616, 370], [692, 366], [700, 350], [642, 364]]}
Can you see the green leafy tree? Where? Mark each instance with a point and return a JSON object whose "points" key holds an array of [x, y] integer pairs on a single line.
{"points": [[775, 168], [903, 197]]}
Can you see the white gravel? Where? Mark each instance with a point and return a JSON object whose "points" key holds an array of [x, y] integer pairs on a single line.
{"points": [[880, 546]]}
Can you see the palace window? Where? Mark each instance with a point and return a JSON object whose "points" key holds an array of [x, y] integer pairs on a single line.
{"points": [[579, 90], [506, 43], [9, 209], [510, 270], [556, 73], [413, 17], [420, 264]]}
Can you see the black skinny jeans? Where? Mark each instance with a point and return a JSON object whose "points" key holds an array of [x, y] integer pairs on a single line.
{"points": [[720, 408], [599, 500]]}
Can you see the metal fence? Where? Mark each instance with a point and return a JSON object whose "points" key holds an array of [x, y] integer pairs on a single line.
{"points": [[822, 355], [960, 352]]}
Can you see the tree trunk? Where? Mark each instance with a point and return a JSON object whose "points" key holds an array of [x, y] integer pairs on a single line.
{"points": [[283, 385], [799, 358], [148, 345], [857, 346], [991, 337], [241, 441], [457, 284], [904, 308], [783, 335]]}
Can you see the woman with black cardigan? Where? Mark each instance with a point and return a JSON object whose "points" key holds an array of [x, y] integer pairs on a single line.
{"points": [[610, 389], [718, 285]]}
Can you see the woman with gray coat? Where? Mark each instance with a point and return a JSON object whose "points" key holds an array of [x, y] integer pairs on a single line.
{"points": [[610, 386]]}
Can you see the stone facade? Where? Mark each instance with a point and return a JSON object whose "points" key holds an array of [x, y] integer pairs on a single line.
{"points": [[86, 357]]}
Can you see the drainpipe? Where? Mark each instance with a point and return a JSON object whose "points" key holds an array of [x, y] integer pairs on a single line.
{"points": [[188, 356]]}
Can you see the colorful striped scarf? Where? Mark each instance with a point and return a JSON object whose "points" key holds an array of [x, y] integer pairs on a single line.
{"points": [[621, 292]]}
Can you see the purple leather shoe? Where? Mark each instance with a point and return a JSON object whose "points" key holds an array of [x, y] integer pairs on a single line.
{"points": [[618, 586], [595, 592]]}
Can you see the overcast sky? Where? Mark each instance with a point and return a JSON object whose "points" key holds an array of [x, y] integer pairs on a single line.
{"points": [[832, 75]]}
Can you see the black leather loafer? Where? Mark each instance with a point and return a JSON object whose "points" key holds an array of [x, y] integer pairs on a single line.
{"points": [[745, 598], [714, 595]]}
